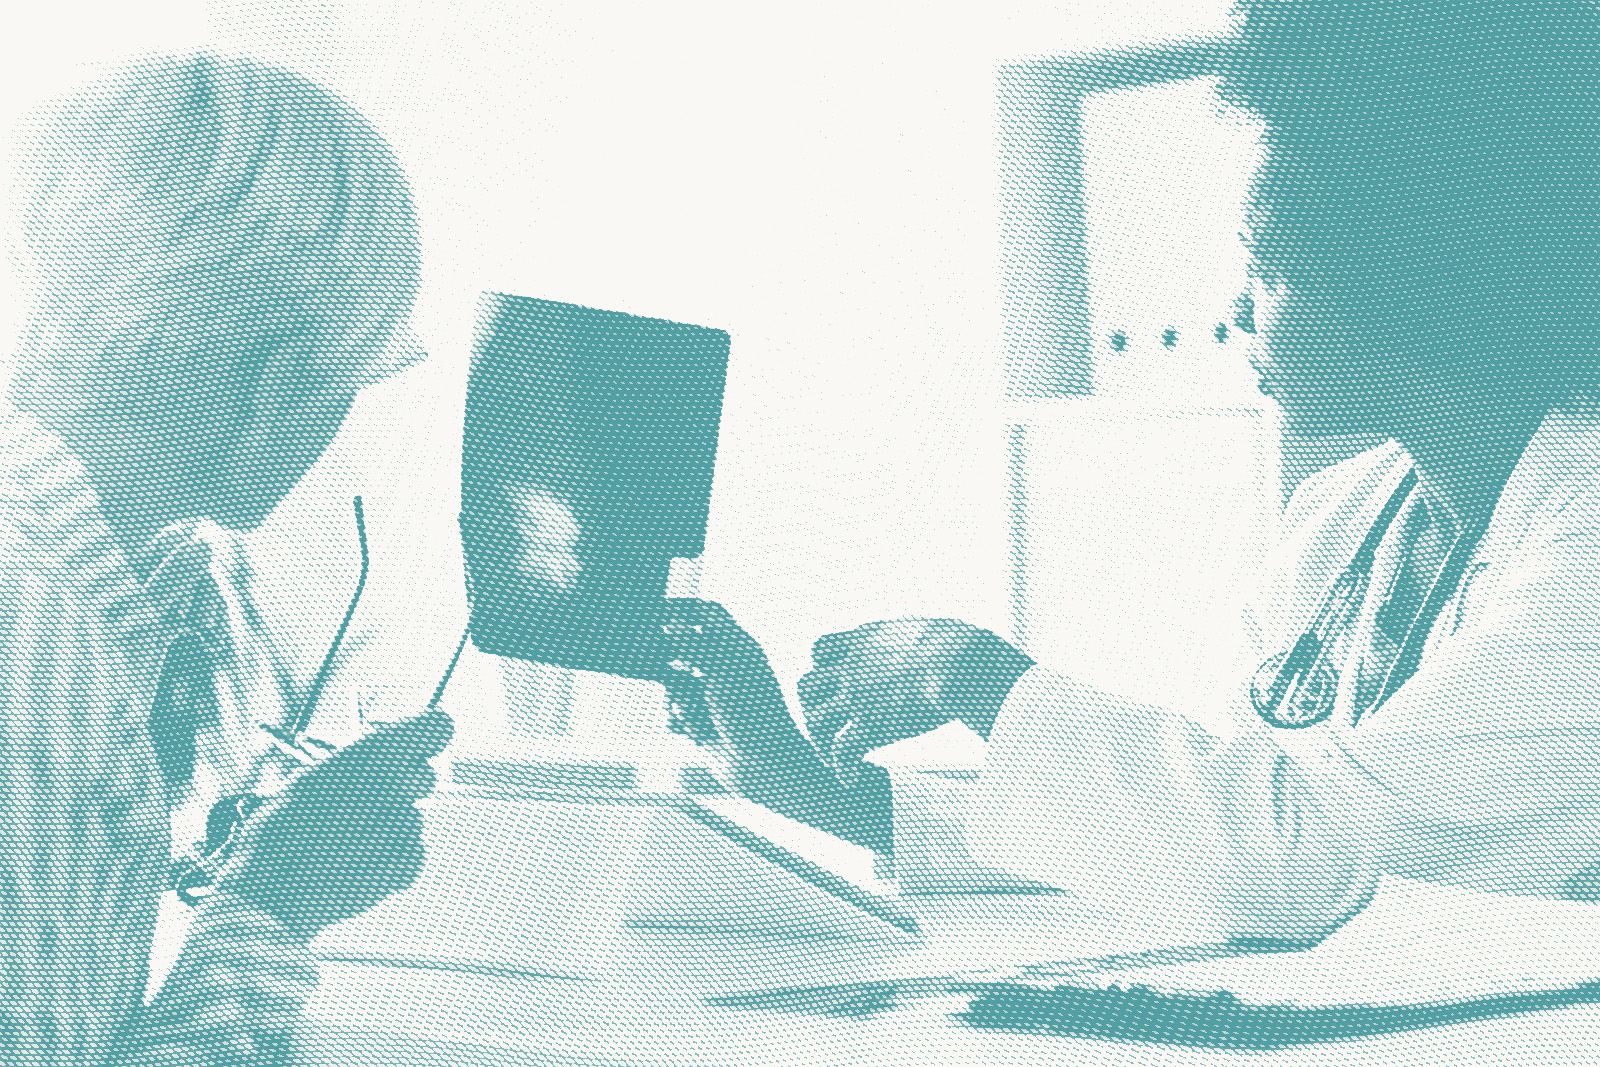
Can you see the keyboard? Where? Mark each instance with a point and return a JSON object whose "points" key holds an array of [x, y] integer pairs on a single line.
{"points": [[1138, 1013]]}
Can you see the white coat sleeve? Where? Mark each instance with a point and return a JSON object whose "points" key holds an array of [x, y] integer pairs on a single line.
{"points": [[1139, 811]]}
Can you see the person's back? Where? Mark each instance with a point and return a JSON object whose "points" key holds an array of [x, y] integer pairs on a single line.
{"points": [[83, 800]]}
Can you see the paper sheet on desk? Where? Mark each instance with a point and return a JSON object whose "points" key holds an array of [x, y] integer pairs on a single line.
{"points": [[727, 865], [563, 884], [930, 776], [1416, 942], [508, 883]]}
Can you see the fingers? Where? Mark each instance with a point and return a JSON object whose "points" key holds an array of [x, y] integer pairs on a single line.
{"points": [[853, 720], [391, 761], [873, 686], [314, 864], [855, 673], [171, 586], [851, 745], [240, 983], [832, 649], [686, 621], [410, 782], [818, 689], [845, 671], [826, 692], [690, 713], [690, 611], [156, 550], [705, 640], [421, 738], [825, 698]]}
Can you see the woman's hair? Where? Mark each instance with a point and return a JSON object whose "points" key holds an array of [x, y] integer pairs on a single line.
{"points": [[205, 221], [1434, 167]]}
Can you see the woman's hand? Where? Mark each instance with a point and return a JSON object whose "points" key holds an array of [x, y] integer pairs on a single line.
{"points": [[725, 695], [345, 834], [234, 996], [723, 691], [887, 681]]}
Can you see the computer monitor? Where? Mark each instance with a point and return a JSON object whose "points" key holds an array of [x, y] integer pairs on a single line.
{"points": [[587, 461]]}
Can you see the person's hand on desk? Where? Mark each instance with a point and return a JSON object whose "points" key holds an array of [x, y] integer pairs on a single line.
{"points": [[887, 681], [725, 696]]}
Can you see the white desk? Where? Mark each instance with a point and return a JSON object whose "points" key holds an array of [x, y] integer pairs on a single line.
{"points": [[384, 1017], [648, 1005]]}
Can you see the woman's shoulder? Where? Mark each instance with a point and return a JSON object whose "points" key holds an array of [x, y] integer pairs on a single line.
{"points": [[61, 568], [48, 509]]}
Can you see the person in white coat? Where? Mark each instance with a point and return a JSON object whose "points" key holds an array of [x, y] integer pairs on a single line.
{"points": [[1424, 695]]}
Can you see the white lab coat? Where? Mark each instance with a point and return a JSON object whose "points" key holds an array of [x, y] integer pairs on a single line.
{"points": [[1483, 770]]}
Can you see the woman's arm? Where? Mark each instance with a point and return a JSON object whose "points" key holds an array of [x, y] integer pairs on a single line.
{"points": [[341, 838], [83, 812], [1482, 770], [727, 698]]}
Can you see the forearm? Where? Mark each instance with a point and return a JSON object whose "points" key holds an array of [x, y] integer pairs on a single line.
{"points": [[1137, 810], [233, 997]]}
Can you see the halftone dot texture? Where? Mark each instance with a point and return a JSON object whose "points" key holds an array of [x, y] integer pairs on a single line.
{"points": [[612, 421], [1429, 201], [1432, 181], [218, 252], [188, 207], [1429, 192]]}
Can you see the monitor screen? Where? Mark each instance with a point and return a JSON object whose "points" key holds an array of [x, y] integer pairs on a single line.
{"points": [[587, 460]]}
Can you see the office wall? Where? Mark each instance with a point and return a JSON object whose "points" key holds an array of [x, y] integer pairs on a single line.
{"points": [[1143, 505], [817, 179]]}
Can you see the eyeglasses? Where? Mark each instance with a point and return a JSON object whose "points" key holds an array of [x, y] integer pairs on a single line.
{"points": [[193, 878]]}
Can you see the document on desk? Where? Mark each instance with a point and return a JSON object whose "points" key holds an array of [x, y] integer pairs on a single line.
{"points": [[1417, 942], [539, 888], [1420, 955], [561, 884], [727, 865]]}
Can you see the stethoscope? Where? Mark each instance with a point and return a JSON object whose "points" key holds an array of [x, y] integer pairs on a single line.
{"points": [[1299, 687]]}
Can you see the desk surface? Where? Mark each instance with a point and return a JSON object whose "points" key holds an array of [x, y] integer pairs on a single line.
{"points": [[388, 1017], [649, 1003]]}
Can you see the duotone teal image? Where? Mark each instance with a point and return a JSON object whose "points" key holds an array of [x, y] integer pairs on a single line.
{"points": [[868, 535]]}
